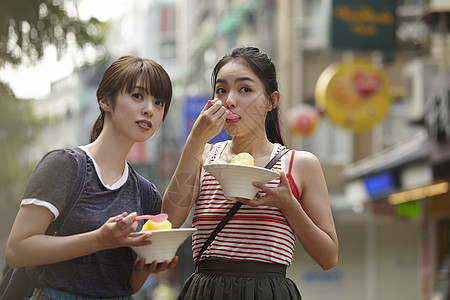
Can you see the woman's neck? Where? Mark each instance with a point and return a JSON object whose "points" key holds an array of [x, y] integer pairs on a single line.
{"points": [[256, 147], [110, 156]]}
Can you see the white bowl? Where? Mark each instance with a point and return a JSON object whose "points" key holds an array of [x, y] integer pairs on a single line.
{"points": [[236, 180], [165, 244]]}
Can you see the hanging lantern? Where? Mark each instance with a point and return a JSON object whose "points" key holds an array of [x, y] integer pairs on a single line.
{"points": [[303, 119]]}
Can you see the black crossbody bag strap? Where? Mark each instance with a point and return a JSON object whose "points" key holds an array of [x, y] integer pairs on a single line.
{"points": [[233, 210]]}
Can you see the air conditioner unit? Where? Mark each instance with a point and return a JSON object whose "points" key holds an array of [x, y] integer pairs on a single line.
{"points": [[416, 76]]}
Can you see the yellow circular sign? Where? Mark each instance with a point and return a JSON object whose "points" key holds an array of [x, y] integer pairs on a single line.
{"points": [[354, 95]]}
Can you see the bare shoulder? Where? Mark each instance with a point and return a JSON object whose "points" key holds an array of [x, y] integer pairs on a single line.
{"points": [[306, 167], [305, 159]]}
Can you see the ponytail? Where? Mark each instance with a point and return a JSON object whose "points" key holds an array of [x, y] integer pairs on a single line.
{"points": [[272, 125], [97, 127]]}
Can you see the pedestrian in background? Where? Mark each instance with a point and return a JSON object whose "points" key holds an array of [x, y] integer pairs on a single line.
{"points": [[249, 256], [91, 256]]}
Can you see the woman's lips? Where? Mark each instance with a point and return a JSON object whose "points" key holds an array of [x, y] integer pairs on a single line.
{"points": [[231, 116], [144, 124]]}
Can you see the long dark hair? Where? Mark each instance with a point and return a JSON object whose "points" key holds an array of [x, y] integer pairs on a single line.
{"points": [[264, 68], [122, 76]]}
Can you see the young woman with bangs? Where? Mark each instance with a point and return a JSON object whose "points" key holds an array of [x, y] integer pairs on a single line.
{"points": [[91, 258]]}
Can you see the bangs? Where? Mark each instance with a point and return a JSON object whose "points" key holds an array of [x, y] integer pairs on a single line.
{"points": [[154, 81]]}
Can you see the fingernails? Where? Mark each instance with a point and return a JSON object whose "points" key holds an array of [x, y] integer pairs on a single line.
{"points": [[121, 218]]}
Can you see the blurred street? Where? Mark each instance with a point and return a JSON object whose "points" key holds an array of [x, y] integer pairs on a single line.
{"points": [[364, 86]]}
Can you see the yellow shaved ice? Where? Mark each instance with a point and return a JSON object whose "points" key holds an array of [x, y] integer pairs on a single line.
{"points": [[243, 158], [150, 226]]}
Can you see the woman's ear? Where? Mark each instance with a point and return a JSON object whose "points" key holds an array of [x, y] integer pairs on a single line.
{"points": [[274, 100], [105, 104]]}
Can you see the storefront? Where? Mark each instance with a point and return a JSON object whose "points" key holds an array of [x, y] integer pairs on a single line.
{"points": [[412, 183], [438, 213]]}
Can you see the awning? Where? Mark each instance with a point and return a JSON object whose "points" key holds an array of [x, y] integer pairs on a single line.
{"points": [[234, 19], [417, 147]]}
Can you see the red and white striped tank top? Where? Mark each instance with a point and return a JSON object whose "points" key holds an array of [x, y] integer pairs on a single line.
{"points": [[253, 234]]}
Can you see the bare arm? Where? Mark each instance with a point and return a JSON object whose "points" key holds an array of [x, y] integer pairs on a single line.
{"points": [[311, 219], [183, 188], [28, 245]]}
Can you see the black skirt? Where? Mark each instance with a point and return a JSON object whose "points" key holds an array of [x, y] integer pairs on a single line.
{"points": [[223, 280]]}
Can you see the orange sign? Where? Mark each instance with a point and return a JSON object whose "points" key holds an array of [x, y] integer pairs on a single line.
{"points": [[354, 95]]}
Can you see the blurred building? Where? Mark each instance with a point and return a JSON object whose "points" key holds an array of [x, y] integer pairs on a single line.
{"points": [[388, 185]]}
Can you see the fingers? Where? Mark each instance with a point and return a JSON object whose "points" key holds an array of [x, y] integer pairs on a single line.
{"points": [[249, 202], [173, 263], [140, 240], [266, 189], [215, 110], [212, 102], [155, 267], [224, 115], [125, 221], [213, 105], [283, 178]]}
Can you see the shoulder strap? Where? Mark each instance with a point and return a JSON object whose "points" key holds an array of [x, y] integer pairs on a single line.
{"points": [[233, 210], [81, 178], [277, 156], [219, 227], [292, 162], [144, 189]]}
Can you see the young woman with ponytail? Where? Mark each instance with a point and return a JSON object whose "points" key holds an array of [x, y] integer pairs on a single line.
{"points": [[249, 256], [91, 257]]}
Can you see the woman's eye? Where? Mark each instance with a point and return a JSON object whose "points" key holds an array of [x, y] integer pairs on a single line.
{"points": [[246, 89], [159, 102], [137, 96], [220, 91]]}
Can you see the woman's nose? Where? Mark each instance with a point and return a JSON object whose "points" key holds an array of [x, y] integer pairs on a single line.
{"points": [[230, 102], [148, 108]]}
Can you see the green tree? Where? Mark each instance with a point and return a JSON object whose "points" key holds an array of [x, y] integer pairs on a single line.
{"points": [[27, 27], [13, 138]]}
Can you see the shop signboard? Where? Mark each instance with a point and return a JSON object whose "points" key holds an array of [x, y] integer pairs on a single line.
{"points": [[364, 25], [379, 185], [355, 94]]}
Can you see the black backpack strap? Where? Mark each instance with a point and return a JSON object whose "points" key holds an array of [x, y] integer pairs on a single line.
{"points": [[144, 192], [76, 192], [234, 209], [151, 200]]}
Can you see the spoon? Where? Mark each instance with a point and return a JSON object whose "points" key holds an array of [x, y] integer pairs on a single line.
{"points": [[231, 116], [154, 218]]}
